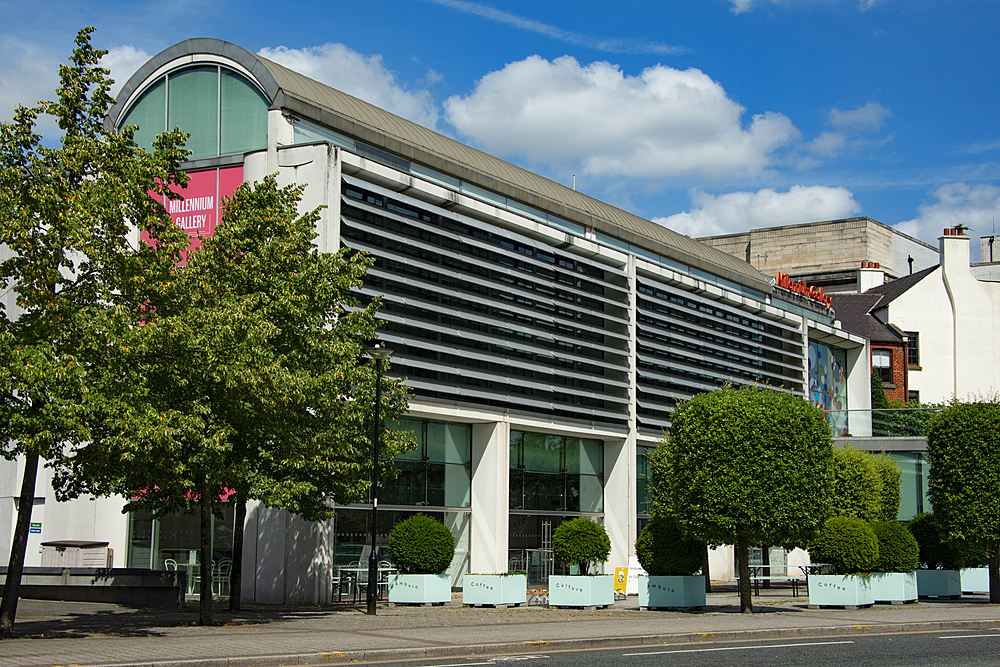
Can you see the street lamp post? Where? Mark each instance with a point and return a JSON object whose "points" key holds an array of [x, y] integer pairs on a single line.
{"points": [[377, 353]]}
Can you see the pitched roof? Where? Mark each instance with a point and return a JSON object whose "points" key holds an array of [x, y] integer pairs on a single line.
{"points": [[854, 313], [316, 101], [894, 289]]}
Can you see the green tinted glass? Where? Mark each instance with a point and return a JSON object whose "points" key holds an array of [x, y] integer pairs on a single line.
{"points": [[149, 113], [193, 106], [244, 115]]}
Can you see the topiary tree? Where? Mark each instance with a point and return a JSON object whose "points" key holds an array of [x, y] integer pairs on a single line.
{"points": [[421, 545], [857, 485], [748, 466], [935, 553], [581, 541], [848, 544], [664, 550], [964, 480], [898, 550], [889, 472]]}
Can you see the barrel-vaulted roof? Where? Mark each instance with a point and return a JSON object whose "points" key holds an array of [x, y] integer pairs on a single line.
{"points": [[327, 106]]}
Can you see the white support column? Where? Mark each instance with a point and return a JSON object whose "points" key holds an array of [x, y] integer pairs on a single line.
{"points": [[490, 497], [619, 500]]}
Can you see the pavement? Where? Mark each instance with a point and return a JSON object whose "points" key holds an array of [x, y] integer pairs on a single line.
{"points": [[95, 634]]}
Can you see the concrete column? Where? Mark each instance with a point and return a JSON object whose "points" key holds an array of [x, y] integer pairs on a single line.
{"points": [[490, 497], [619, 500]]}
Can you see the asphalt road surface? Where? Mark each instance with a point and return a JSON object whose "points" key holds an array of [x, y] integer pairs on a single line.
{"points": [[955, 649]]}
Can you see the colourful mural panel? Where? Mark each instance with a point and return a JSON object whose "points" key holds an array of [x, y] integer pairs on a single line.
{"points": [[828, 384]]}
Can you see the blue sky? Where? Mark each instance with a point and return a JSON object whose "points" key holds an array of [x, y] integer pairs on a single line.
{"points": [[708, 116]]}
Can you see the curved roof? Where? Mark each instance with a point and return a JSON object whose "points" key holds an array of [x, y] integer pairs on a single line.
{"points": [[348, 115]]}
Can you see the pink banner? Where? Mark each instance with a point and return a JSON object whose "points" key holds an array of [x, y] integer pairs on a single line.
{"points": [[199, 210]]}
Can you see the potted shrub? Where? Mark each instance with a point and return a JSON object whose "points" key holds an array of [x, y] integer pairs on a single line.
{"points": [[422, 548], [581, 542], [940, 561], [670, 560], [849, 546], [495, 590], [894, 579]]}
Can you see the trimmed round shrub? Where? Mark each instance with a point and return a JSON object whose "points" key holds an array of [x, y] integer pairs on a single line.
{"points": [[581, 541], [935, 553], [847, 543], [421, 545], [664, 550], [897, 548], [857, 485]]}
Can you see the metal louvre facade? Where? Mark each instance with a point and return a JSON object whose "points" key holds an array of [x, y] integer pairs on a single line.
{"points": [[478, 313], [689, 344]]}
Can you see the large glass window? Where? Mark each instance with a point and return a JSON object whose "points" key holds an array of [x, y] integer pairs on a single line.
{"points": [[222, 111], [556, 473], [437, 472]]}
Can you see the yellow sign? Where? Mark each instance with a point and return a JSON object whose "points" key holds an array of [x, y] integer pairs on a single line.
{"points": [[621, 577]]}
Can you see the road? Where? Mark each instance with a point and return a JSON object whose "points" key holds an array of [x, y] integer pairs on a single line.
{"points": [[955, 649]]}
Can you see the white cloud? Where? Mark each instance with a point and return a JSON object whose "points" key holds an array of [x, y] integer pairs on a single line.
{"points": [[850, 127], [364, 77], [607, 44], [123, 61], [740, 6], [740, 211], [664, 122], [867, 117], [976, 206], [28, 73]]}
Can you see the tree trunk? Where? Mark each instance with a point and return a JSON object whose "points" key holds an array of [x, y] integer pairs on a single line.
{"points": [[743, 558], [765, 561], [205, 559], [236, 576], [994, 563], [705, 571], [12, 587]]}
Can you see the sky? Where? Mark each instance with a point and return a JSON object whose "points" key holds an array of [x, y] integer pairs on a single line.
{"points": [[706, 116]]}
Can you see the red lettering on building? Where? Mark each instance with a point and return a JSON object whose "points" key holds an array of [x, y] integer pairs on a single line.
{"points": [[783, 280]]}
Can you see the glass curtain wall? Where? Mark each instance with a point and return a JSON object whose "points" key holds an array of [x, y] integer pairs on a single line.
{"points": [[173, 542], [434, 478], [552, 479], [224, 113]]}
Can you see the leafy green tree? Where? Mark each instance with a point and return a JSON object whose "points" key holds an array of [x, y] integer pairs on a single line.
{"points": [[889, 497], [857, 486], [244, 381], [879, 400], [66, 217], [964, 479], [749, 466]]}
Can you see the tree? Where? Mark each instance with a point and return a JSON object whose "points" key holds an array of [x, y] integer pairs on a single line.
{"points": [[857, 485], [749, 466], [964, 479], [65, 218], [244, 382]]}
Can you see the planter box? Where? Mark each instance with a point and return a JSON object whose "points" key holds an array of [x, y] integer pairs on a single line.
{"points": [[840, 590], [419, 588], [939, 583], [976, 580], [495, 589], [894, 586], [671, 592], [578, 591]]}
